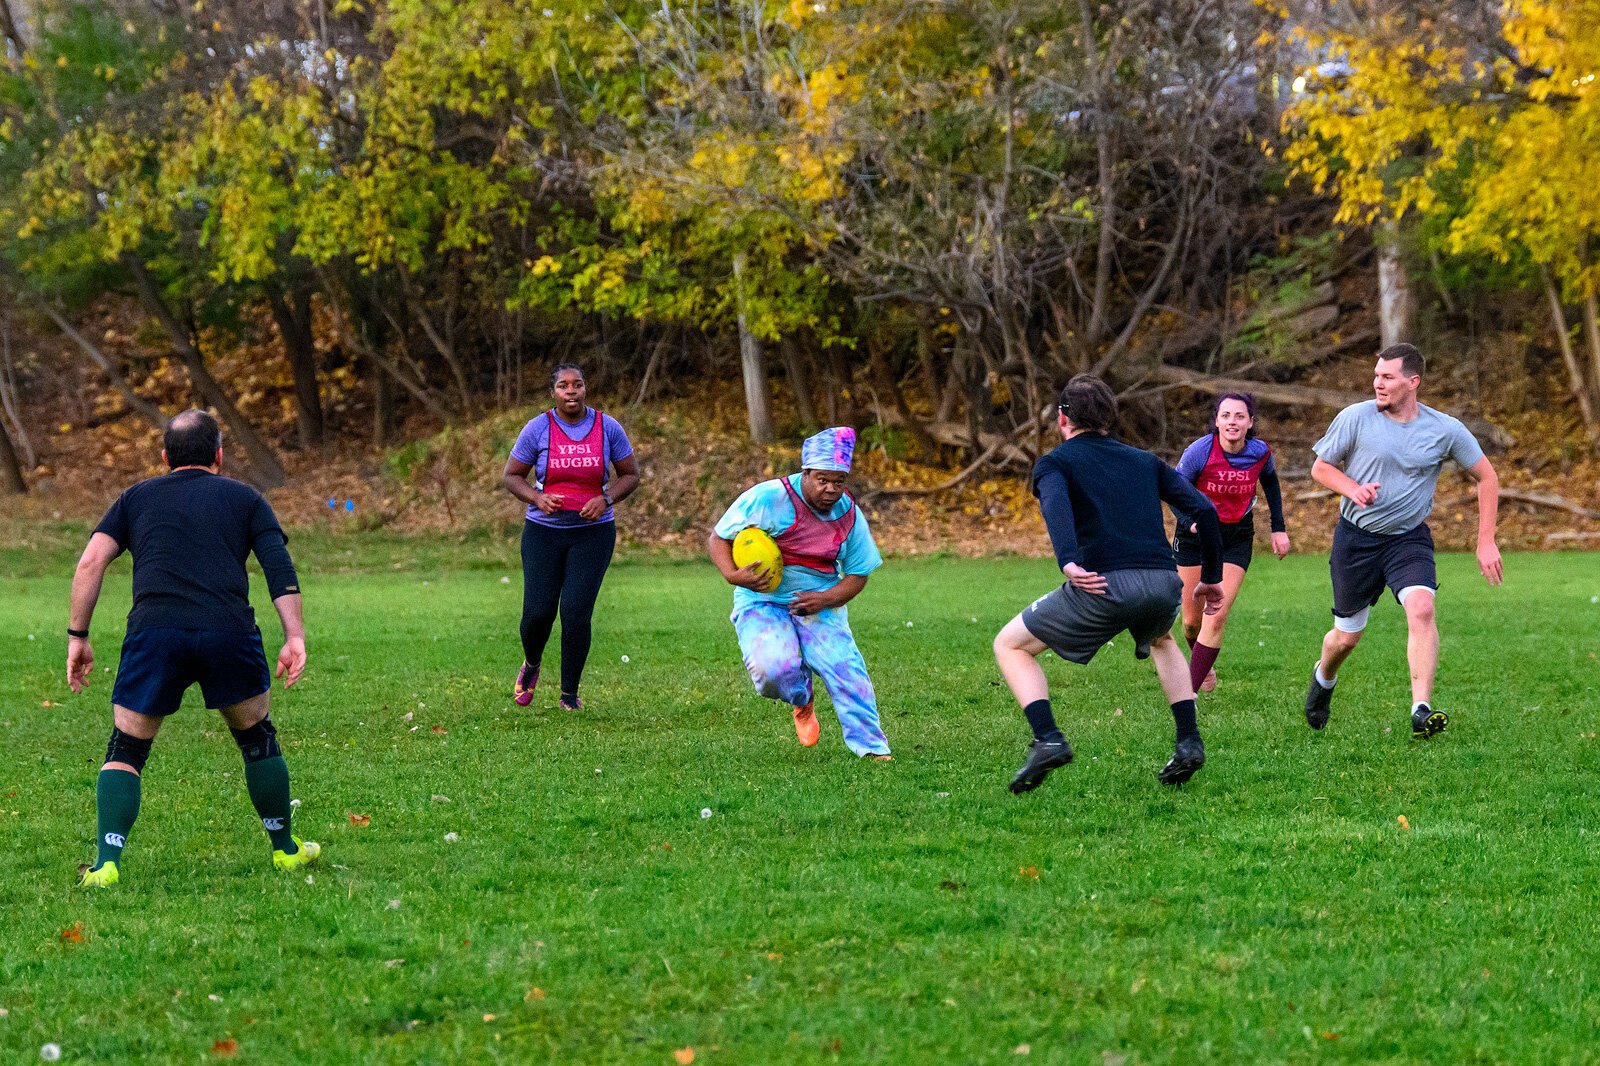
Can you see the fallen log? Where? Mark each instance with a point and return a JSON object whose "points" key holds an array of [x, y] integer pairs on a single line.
{"points": [[1491, 436], [1572, 534], [1535, 499]]}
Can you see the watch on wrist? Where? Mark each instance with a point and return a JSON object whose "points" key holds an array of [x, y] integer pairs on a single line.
{"points": [[81, 634], [606, 496]]}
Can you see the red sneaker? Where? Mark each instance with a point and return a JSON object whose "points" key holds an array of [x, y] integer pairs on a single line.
{"points": [[805, 726], [522, 690]]}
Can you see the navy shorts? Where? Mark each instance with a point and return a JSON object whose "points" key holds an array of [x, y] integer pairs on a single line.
{"points": [[158, 666], [1238, 544], [1363, 563]]}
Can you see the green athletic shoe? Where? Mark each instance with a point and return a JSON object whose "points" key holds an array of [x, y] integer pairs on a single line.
{"points": [[309, 850], [104, 877]]}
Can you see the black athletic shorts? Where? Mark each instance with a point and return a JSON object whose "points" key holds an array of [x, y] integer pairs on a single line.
{"points": [[1238, 544], [1363, 563], [159, 664]]}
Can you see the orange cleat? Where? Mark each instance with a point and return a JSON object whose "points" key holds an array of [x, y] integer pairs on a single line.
{"points": [[805, 726]]}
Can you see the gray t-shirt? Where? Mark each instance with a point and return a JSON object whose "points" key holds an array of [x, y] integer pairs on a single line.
{"points": [[1404, 458]]}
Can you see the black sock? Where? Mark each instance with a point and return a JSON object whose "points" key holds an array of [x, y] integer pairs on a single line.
{"points": [[1183, 716], [1044, 723]]}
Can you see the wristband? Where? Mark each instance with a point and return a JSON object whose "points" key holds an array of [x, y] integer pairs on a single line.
{"points": [[606, 496], [81, 634]]}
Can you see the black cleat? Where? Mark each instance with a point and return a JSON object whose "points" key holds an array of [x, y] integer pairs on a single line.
{"points": [[1043, 756], [1319, 701], [1426, 722], [1188, 755]]}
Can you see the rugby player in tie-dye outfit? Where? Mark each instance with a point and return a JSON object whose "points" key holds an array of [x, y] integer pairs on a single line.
{"points": [[802, 627]]}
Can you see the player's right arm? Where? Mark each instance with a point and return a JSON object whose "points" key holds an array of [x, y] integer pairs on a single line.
{"points": [[86, 582], [752, 577], [1333, 479], [516, 482]]}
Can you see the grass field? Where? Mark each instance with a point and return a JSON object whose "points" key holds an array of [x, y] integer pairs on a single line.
{"points": [[1276, 909]]}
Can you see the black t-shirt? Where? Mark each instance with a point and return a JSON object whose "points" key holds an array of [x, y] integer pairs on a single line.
{"points": [[1102, 500], [190, 532]]}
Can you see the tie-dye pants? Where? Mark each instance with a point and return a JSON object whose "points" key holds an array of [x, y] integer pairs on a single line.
{"points": [[781, 651]]}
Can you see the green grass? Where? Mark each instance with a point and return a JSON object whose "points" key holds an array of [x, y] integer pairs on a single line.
{"points": [[828, 910]]}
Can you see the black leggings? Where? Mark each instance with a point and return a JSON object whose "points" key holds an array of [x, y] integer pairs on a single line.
{"points": [[563, 566]]}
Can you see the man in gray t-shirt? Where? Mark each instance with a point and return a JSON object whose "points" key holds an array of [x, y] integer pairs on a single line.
{"points": [[1383, 458]]}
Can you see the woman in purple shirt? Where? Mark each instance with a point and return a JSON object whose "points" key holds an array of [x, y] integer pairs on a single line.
{"points": [[570, 532]]}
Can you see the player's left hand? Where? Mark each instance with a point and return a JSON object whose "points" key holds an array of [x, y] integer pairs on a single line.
{"points": [[1280, 544], [292, 660], [1210, 595], [805, 603], [1489, 562], [80, 662], [592, 509], [1087, 580]]}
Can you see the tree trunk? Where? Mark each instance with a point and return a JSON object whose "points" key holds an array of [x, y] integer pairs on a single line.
{"points": [[265, 467], [382, 408], [799, 381], [752, 364], [11, 480], [1591, 332], [9, 28], [1580, 391], [1396, 313], [299, 344]]}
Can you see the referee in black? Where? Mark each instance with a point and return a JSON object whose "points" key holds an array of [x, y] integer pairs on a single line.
{"points": [[1101, 501], [190, 531]]}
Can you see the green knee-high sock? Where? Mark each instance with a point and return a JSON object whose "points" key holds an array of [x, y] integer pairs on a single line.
{"points": [[116, 795], [268, 782]]}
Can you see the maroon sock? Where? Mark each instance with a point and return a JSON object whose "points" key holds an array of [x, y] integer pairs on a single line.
{"points": [[1202, 657]]}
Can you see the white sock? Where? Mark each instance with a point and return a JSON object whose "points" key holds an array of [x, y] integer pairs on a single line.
{"points": [[1419, 704], [1324, 682]]}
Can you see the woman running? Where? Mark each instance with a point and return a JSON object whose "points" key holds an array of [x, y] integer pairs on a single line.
{"points": [[570, 531], [1226, 465]]}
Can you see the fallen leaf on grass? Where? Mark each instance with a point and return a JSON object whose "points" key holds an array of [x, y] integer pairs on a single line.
{"points": [[1330, 1036], [438, 729], [533, 994], [225, 1048], [47, 703], [488, 1017], [72, 934], [1030, 872], [1404, 823], [774, 956], [1022, 1049], [360, 820], [683, 1056]]}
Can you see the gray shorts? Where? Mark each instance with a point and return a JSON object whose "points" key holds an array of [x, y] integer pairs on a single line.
{"points": [[1075, 624]]}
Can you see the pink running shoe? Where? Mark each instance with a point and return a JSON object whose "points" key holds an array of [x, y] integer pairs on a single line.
{"points": [[522, 690], [570, 703]]}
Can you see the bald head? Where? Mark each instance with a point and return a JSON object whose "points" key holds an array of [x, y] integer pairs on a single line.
{"points": [[192, 438]]}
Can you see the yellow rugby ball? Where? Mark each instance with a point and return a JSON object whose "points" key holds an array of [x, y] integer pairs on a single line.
{"points": [[754, 545]]}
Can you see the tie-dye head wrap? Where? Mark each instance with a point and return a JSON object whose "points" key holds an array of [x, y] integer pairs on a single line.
{"points": [[831, 449]]}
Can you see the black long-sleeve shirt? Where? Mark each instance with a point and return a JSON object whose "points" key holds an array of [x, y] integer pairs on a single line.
{"points": [[1101, 501], [190, 533]]}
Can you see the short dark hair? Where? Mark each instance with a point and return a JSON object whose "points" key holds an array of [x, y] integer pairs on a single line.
{"points": [[1245, 398], [555, 372], [1089, 402], [1410, 356], [192, 439]]}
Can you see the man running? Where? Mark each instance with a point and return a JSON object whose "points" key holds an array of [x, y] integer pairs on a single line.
{"points": [[1383, 456], [1101, 501], [190, 531], [803, 626]]}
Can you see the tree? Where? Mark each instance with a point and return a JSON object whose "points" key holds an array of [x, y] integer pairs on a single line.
{"points": [[1489, 124]]}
